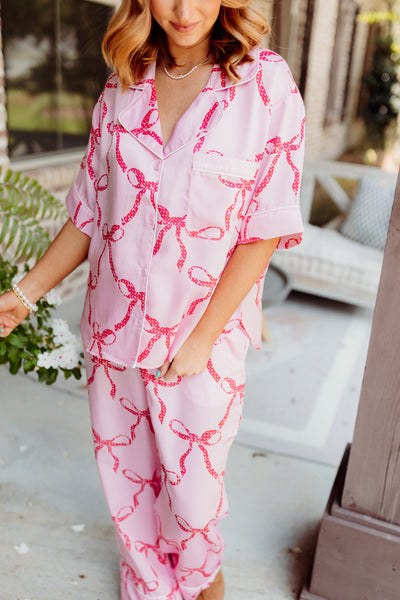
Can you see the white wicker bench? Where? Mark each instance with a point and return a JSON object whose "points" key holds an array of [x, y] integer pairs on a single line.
{"points": [[327, 263]]}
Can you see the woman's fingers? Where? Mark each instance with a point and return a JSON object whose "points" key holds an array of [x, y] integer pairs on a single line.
{"points": [[12, 313], [180, 368], [163, 369], [6, 326], [190, 359], [171, 372], [4, 330]]}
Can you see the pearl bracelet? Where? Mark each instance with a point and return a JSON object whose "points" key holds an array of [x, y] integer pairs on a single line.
{"points": [[22, 298]]}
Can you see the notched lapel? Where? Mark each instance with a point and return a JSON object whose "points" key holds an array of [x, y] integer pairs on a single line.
{"points": [[141, 119]]}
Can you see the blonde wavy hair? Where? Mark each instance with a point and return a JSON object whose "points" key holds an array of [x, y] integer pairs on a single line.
{"points": [[134, 39]]}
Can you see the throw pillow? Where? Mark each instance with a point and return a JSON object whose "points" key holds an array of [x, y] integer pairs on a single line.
{"points": [[368, 218]]}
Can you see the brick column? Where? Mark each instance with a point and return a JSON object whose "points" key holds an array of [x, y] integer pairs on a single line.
{"points": [[4, 160]]}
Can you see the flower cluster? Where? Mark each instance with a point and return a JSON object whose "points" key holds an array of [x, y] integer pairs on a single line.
{"points": [[40, 344], [66, 354]]}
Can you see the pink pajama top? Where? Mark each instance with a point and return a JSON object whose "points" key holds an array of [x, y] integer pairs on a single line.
{"points": [[163, 222]]}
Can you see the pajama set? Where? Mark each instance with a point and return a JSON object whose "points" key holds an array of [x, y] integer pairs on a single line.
{"points": [[163, 224]]}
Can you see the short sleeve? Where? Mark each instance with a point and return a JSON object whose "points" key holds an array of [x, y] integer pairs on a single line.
{"points": [[81, 199], [274, 210]]}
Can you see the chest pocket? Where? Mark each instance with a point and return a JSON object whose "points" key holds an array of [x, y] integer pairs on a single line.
{"points": [[220, 188]]}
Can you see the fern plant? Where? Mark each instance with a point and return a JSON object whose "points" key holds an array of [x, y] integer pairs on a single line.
{"points": [[40, 344], [24, 207]]}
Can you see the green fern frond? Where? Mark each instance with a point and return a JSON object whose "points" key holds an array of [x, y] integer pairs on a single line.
{"points": [[24, 207]]}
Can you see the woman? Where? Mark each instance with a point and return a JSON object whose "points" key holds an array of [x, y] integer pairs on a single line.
{"points": [[190, 181]]}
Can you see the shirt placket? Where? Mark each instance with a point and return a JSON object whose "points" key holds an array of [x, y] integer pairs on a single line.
{"points": [[144, 267]]}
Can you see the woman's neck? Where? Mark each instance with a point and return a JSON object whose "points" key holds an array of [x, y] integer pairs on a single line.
{"points": [[189, 57]]}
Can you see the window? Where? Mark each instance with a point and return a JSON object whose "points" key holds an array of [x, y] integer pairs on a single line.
{"points": [[54, 71]]}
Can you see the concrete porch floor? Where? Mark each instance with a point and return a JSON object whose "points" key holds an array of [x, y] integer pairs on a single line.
{"points": [[57, 539]]}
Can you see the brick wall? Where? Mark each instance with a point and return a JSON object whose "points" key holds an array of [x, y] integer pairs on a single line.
{"points": [[328, 87], [55, 176], [330, 137]]}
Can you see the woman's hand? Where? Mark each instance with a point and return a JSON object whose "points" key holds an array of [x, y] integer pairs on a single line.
{"points": [[246, 264], [65, 253], [12, 313], [191, 358]]}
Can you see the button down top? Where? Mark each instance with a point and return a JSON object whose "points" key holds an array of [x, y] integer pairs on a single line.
{"points": [[163, 222]]}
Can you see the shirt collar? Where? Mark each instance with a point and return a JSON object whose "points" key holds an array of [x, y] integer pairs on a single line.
{"points": [[246, 71], [141, 120]]}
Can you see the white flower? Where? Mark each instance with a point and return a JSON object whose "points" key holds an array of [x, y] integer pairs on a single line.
{"points": [[65, 357], [66, 354], [52, 297], [62, 334], [60, 329], [44, 360], [59, 325]]}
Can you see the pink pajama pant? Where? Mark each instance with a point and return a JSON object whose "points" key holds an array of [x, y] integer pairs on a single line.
{"points": [[161, 451]]}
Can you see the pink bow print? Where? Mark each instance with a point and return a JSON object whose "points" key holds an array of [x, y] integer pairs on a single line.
{"points": [[154, 483], [128, 290], [116, 442], [206, 439]]}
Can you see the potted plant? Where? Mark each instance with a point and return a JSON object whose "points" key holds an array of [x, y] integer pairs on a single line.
{"points": [[41, 344]]}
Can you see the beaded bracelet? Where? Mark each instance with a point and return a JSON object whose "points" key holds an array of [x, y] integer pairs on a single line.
{"points": [[22, 298]]}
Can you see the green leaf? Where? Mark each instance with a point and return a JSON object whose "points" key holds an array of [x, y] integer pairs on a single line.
{"points": [[52, 376], [8, 175], [15, 366], [21, 242], [24, 181], [28, 244], [4, 229], [42, 375], [15, 340], [12, 353], [29, 365], [13, 233], [77, 373]]}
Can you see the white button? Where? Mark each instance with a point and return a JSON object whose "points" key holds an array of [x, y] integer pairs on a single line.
{"points": [[142, 272], [157, 166]]}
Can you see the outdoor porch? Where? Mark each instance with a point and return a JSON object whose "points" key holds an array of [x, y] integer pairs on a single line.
{"points": [[300, 407]]}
